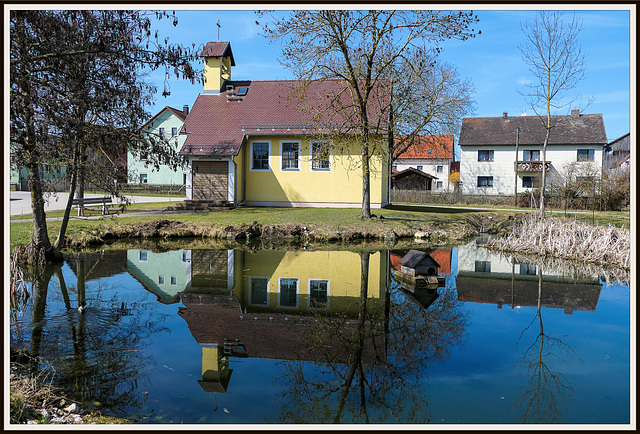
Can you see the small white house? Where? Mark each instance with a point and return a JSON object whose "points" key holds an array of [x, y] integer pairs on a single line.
{"points": [[431, 154], [168, 123], [488, 160]]}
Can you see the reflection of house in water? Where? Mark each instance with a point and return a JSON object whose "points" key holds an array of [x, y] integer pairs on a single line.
{"points": [[168, 274], [96, 265], [488, 277], [263, 304]]}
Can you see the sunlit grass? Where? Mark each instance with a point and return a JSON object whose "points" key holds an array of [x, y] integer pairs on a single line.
{"points": [[322, 220]]}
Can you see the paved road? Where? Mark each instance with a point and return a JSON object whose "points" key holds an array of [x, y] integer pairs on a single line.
{"points": [[21, 201]]}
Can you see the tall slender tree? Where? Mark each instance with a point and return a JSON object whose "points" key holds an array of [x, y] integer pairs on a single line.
{"points": [[557, 63]]}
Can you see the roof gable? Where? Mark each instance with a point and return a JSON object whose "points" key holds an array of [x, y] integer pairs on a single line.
{"points": [[179, 113], [218, 49], [569, 129], [425, 147], [411, 171], [413, 258]]}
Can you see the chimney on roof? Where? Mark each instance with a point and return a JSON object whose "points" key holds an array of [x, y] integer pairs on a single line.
{"points": [[575, 113], [185, 109], [504, 115]]}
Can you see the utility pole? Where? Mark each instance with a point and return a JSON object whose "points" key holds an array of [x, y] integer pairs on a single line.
{"points": [[515, 191]]}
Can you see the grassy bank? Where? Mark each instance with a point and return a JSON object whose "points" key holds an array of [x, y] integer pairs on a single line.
{"points": [[314, 223], [328, 224]]}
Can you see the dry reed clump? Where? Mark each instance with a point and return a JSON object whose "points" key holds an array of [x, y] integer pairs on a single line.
{"points": [[568, 239], [574, 269]]}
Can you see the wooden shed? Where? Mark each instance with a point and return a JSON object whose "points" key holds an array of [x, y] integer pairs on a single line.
{"points": [[416, 263]]}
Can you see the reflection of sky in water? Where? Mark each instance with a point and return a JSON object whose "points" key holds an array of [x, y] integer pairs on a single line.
{"points": [[477, 382]]}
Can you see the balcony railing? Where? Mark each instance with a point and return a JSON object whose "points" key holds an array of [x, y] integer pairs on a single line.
{"points": [[530, 166]]}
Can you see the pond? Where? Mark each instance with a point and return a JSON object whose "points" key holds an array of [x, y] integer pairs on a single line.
{"points": [[259, 336]]}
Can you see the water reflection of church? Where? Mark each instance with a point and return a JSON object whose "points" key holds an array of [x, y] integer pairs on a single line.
{"points": [[261, 304]]}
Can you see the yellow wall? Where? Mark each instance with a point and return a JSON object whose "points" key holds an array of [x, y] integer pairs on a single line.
{"points": [[340, 268], [341, 185], [216, 71]]}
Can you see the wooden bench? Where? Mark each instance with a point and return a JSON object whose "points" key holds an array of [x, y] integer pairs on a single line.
{"points": [[84, 202]]}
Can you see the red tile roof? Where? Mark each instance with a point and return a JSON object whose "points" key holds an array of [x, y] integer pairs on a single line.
{"points": [[425, 147], [218, 49], [221, 121]]}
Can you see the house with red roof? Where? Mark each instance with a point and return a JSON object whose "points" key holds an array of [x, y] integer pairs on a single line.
{"points": [[258, 143], [423, 164]]}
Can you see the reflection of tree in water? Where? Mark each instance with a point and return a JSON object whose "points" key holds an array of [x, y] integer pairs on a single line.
{"points": [[96, 354], [546, 391], [368, 369]]}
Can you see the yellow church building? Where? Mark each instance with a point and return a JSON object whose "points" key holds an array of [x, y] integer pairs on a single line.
{"points": [[255, 143]]}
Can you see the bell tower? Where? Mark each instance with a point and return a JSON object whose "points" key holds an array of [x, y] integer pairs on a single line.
{"points": [[218, 60]]}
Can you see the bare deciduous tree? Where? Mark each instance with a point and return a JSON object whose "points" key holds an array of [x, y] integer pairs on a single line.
{"points": [[557, 63], [367, 50]]}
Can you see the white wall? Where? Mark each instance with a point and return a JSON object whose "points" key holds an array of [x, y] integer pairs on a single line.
{"points": [[502, 166], [165, 175]]}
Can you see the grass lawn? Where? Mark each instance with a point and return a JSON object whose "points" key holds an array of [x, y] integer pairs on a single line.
{"points": [[321, 220]]}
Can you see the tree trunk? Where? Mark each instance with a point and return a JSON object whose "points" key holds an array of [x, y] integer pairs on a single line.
{"points": [[366, 182], [59, 243], [544, 171]]}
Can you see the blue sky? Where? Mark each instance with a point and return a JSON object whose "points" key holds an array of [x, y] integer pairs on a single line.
{"points": [[492, 60]]}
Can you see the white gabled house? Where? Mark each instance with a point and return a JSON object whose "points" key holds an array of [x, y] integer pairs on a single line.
{"points": [[167, 123], [488, 162]]}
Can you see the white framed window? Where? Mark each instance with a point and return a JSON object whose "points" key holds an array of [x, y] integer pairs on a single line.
{"points": [[143, 256], [440, 169], [533, 155], [160, 280], [174, 280], [143, 156], [438, 184], [320, 156], [485, 181], [586, 154], [289, 155], [483, 267], [258, 291], [528, 269], [318, 293], [287, 292], [143, 178], [485, 155], [174, 131], [420, 168], [161, 131], [260, 156]]}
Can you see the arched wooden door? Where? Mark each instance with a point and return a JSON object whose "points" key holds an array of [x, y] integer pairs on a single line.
{"points": [[210, 180]]}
